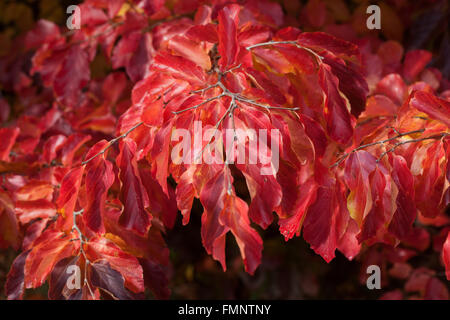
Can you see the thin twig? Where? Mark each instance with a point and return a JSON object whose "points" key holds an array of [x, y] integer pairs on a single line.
{"points": [[216, 127], [345, 156], [111, 143], [295, 43], [232, 69], [398, 144], [83, 240], [242, 99], [200, 104], [205, 89]]}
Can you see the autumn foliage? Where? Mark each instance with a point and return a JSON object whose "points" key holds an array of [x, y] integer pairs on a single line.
{"points": [[87, 177]]}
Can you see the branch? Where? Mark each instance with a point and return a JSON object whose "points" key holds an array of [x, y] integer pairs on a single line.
{"points": [[216, 127], [435, 137], [345, 156], [110, 143], [295, 43], [200, 104], [232, 69], [82, 238], [398, 144], [242, 99]]}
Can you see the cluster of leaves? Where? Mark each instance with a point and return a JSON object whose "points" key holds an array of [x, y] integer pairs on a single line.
{"points": [[85, 159]]}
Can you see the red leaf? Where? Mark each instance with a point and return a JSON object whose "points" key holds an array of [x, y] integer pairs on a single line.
{"points": [[213, 232], [44, 32], [9, 227], [99, 178], [392, 295], [292, 225], [133, 195], [227, 30], [351, 83], [429, 180], [5, 110], [35, 190], [436, 290], [102, 276], [152, 246], [375, 218], [34, 231], [185, 193], [404, 216], [50, 248], [68, 195], [58, 289], [316, 12], [139, 63], [8, 137], [393, 87], [319, 226], [336, 112], [264, 189], [160, 154], [317, 135], [415, 62], [234, 216], [152, 6], [30, 210], [446, 256], [14, 287], [436, 108], [225, 212], [206, 32], [51, 147], [358, 168], [321, 40], [103, 249], [191, 50], [153, 113], [155, 279], [160, 205], [71, 146], [179, 68], [72, 77]]}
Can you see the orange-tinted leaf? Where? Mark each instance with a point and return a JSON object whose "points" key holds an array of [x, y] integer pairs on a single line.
{"points": [[436, 108], [68, 195], [51, 247], [29, 210], [128, 266], [179, 68]]}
